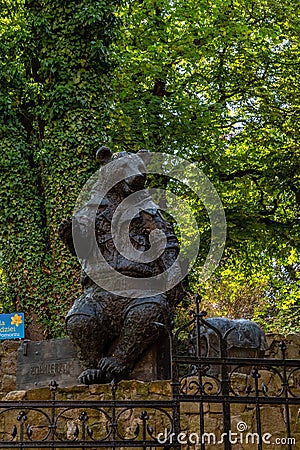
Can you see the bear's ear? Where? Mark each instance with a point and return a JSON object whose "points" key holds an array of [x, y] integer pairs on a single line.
{"points": [[103, 155]]}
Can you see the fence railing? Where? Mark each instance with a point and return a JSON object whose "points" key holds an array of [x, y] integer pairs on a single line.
{"points": [[215, 403]]}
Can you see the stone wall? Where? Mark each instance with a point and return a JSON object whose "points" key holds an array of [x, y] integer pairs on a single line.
{"points": [[8, 363], [272, 417], [292, 342], [8, 357]]}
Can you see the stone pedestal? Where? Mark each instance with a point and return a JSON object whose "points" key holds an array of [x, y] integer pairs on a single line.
{"points": [[155, 364], [40, 362]]}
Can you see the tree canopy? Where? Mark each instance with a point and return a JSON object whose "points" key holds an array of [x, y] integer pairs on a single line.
{"points": [[217, 82], [214, 82]]}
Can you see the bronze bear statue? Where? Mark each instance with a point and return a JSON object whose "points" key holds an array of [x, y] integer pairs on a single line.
{"points": [[98, 318]]}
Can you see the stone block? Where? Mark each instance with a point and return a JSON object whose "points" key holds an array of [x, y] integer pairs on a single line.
{"points": [[237, 408], [213, 425], [11, 346], [238, 383], [162, 388], [8, 383], [190, 408], [75, 393], [205, 407], [248, 417], [15, 396], [154, 364], [272, 419], [293, 346], [296, 427], [273, 339], [38, 394], [98, 389]]}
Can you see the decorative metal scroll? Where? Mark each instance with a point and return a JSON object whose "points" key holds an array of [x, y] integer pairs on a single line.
{"points": [[85, 424], [226, 381], [198, 382]]}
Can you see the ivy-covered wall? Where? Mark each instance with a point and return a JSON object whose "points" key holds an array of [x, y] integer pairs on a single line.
{"points": [[54, 94]]}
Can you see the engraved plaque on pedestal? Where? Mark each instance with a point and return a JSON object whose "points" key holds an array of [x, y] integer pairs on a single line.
{"points": [[40, 362]]}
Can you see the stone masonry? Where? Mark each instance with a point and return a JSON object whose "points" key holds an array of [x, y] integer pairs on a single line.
{"points": [[273, 417]]}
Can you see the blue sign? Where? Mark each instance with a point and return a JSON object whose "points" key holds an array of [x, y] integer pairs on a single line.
{"points": [[12, 326]]}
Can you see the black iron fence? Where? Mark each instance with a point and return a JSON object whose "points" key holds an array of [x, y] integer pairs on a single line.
{"points": [[217, 402], [85, 424]]}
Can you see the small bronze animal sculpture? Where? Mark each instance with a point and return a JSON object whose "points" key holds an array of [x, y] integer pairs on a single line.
{"points": [[244, 340], [100, 318]]}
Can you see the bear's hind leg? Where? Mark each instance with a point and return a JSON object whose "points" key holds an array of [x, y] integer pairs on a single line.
{"points": [[138, 333], [90, 340]]}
